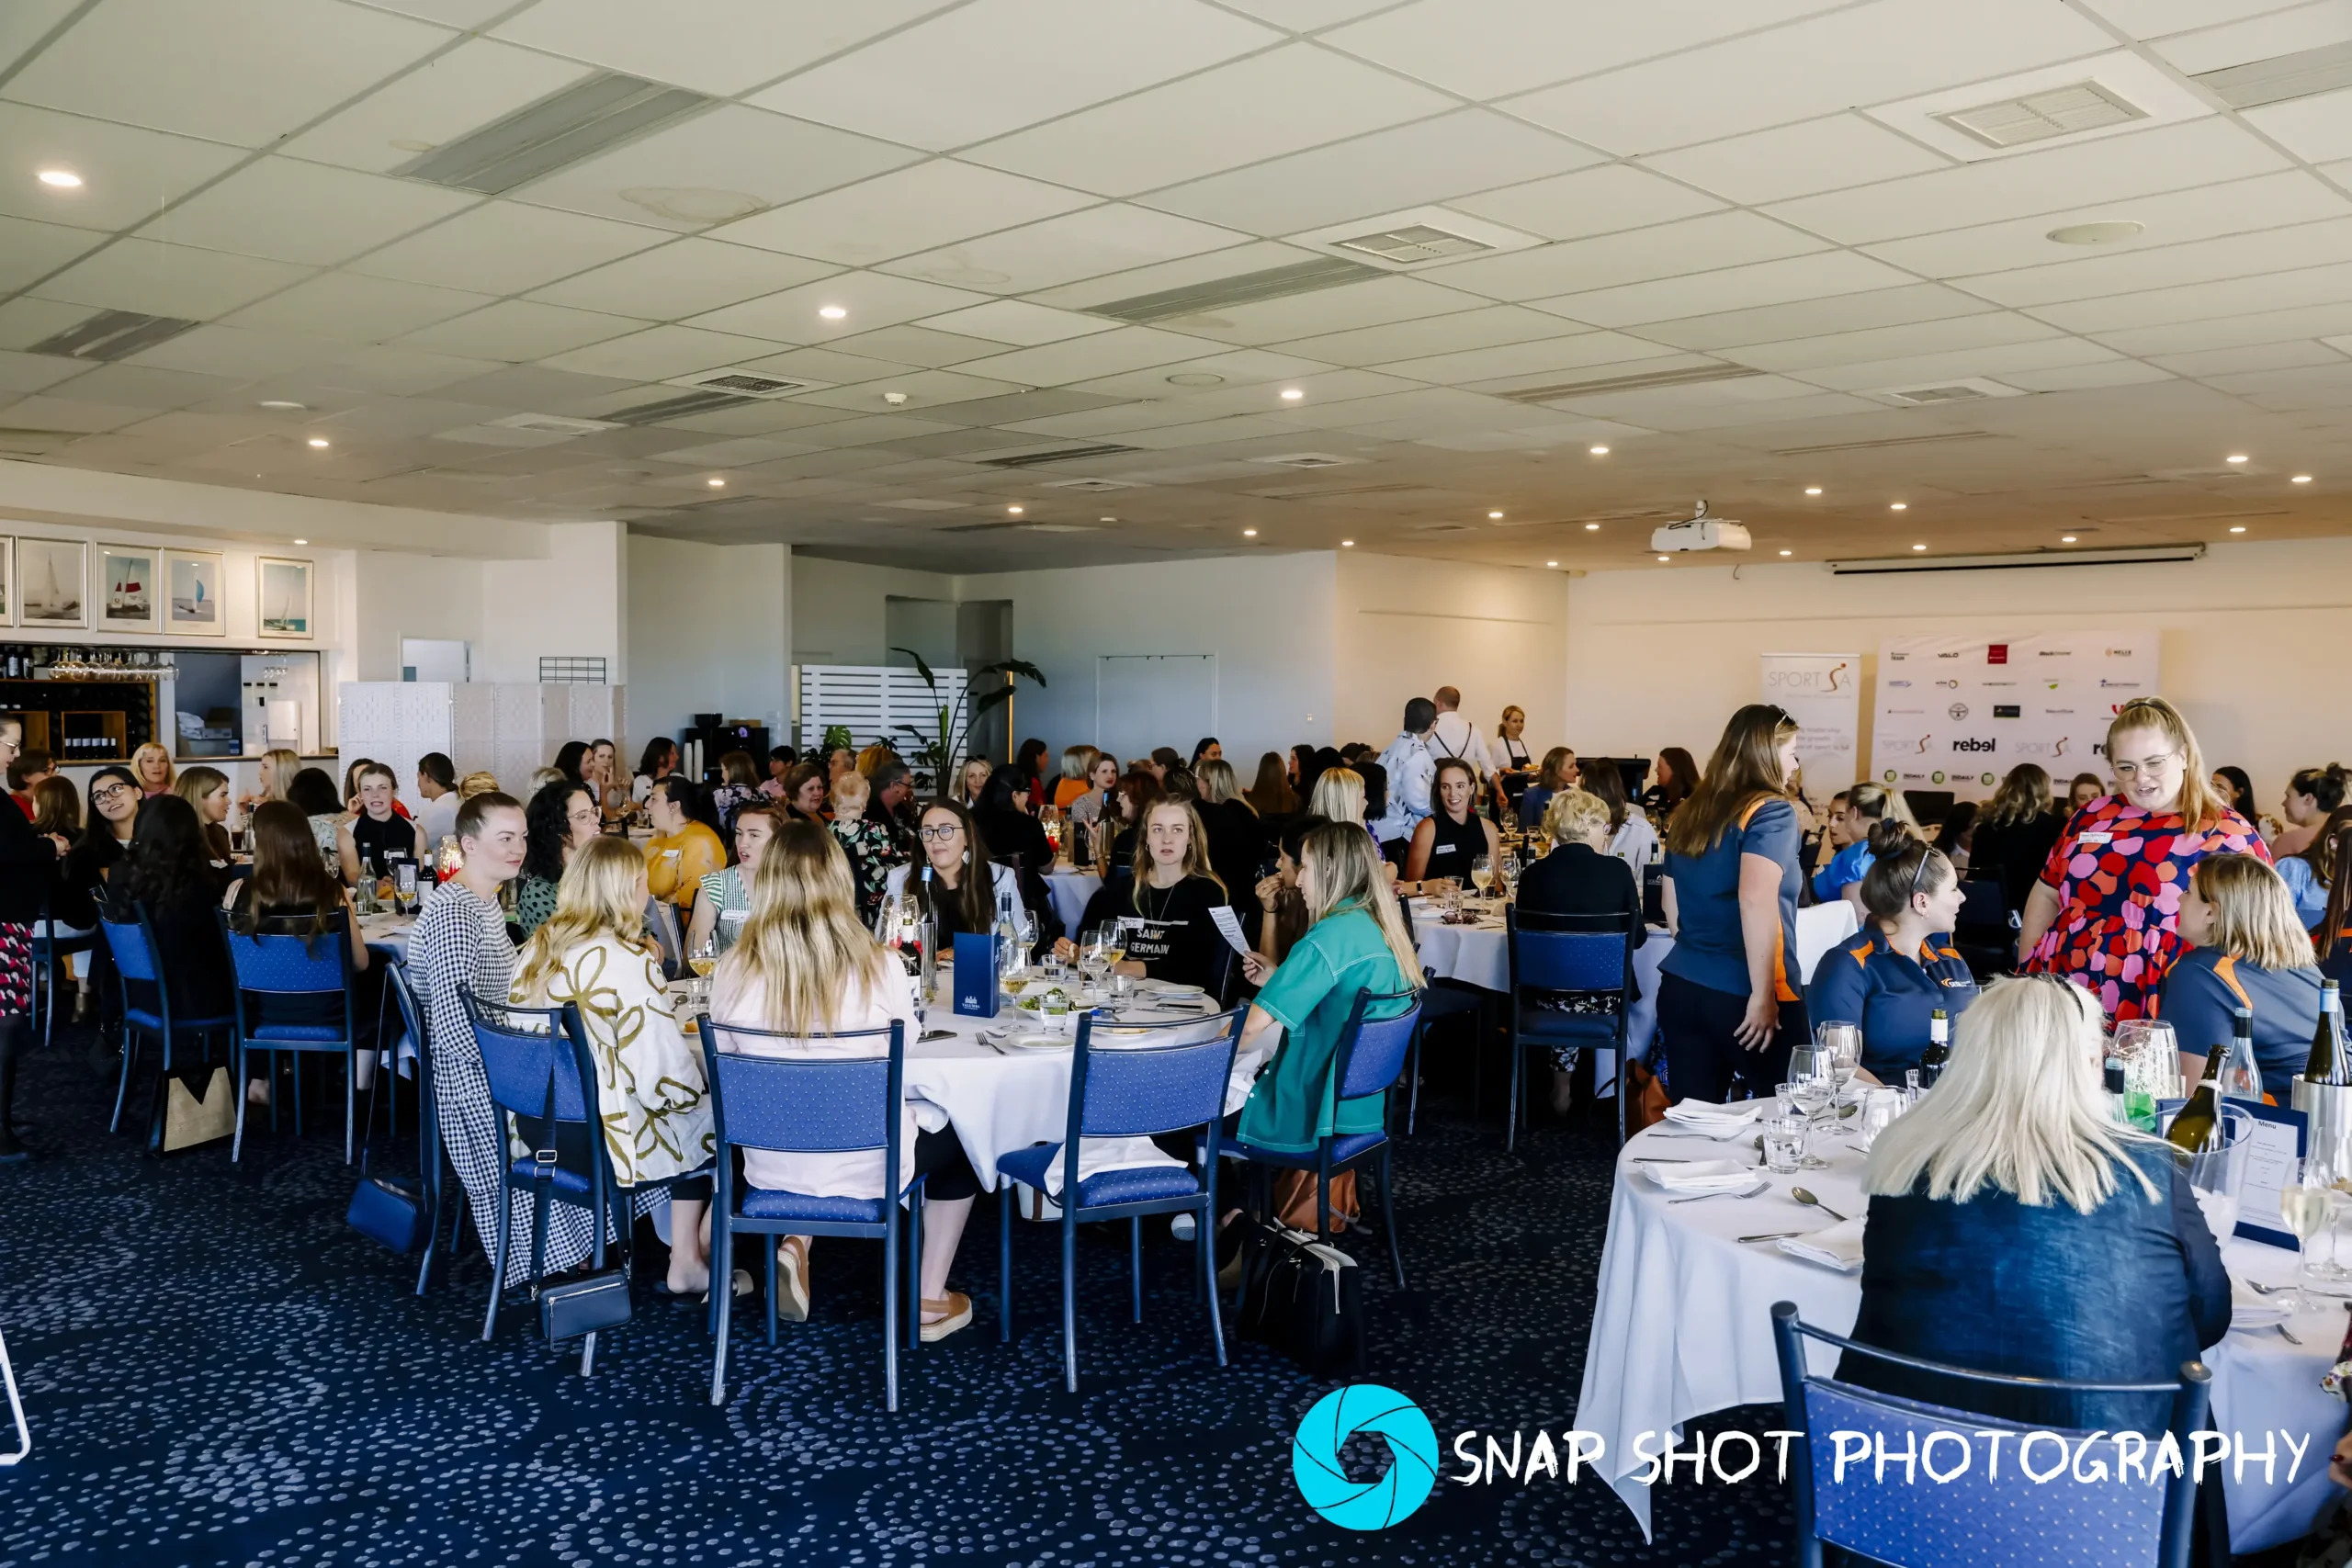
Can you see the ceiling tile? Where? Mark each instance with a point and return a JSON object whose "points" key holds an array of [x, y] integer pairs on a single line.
{"points": [[2240, 42], [660, 353], [2234, 255], [146, 386], [31, 372], [2262, 201], [347, 307], [1038, 59], [1482, 48], [1861, 54], [1375, 302], [1080, 359], [170, 280], [926, 391], [828, 365], [870, 299], [1911, 339], [1297, 96], [1457, 331], [1799, 160], [244, 71], [682, 278], [1809, 318], [32, 251], [519, 330], [2083, 378], [715, 168], [233, 351], [1696, 244], [896, 214], [1997, 360], [505, 247], [1816, 277], [1527, 358], [1431, 160], [2165, 158], [2317, 128], [719, 47], [918, 345], [448, 13], [1595, 202], [1018, 322], [446, 97], [2261, 356], [42, 412], [126, 173], [2230, 297], [25, 23], [1112, 238], [543, 391], [2155, 18], [2193, 333], [1186, 272], [293, 211], [1254, 381], [1306, 15]]}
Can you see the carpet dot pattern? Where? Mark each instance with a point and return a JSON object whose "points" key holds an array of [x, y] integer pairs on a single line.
{"points": [[220, 1372]]}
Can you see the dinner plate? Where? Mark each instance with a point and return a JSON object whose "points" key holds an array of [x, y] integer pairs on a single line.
{"points": [[1041, 1041], [1169, 989]]}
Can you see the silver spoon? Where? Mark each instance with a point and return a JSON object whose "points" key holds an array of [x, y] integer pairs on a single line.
{"points": [[1809, 1200], [2288, 1335], [1773, 1236]]}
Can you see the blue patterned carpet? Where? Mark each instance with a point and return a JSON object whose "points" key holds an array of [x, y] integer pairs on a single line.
{"points": [[220, 1372]]}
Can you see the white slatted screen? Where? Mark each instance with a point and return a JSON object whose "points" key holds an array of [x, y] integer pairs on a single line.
{"points": [[874, 700]]}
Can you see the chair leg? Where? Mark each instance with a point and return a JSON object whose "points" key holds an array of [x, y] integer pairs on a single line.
{"points": [[498, 1261], [1207, 1240], [1388, 1220], [1323, 1204], [294, 1061], [1134, 1261], [1517, 1067], [351, 1100], [1413, 1095], [1070, 1301], [889, 1311], [122, 1089], [767, 1243], [914, 1273], [237, 1084], [1004, 1262], [722, 1267]]}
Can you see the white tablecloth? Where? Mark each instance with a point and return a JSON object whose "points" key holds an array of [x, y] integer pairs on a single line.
{"points": [[1480, 956], [1681, 1326], [1071, 890]]}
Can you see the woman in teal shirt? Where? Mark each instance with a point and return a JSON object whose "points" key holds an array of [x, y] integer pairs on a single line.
{"points": [[1356, 944], [1892, 976]]}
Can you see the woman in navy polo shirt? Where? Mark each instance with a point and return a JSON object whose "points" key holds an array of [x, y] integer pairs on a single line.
{"points": [[2247, 949], [1729, 1005], [1891, 975]]}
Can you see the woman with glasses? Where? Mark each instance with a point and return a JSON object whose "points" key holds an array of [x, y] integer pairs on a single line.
{"points": [[1729, 1004], [561, 816], [955, 884], [1901, 967], [2106, 909]]}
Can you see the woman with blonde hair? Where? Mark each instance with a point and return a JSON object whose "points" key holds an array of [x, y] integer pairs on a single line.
{"points": [[1867, 805], [872, 848], [152, 765], [657, 1122], [274, 775], [1077, 762], [1730, 997], [206, 789], [2247, 948], [1338, 795], [805, 967], [2009, 1197], [2107, 905], [1171, 935]]}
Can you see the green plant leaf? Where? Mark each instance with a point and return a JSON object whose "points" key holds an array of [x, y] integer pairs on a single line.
{"points": [[1021, 667], [922, 668]]}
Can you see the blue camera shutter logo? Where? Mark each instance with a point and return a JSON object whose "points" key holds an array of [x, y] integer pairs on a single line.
{"points": [[1364, 1505]]}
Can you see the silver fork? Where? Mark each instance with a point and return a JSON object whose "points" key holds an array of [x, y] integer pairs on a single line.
{"points": [[1756, 1192]]}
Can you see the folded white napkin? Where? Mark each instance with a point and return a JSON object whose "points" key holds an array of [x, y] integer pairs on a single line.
{"points": [[1703, 1175], [2249, 1308], [1838, 1248], [1705, 1116]]}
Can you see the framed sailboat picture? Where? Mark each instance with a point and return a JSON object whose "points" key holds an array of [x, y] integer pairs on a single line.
{"points": [[52, 582], [127, 593], [285, 598], [192, 593]]}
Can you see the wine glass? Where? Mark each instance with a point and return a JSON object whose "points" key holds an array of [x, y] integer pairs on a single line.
{"points": [[1813, 1085], [1844, 1043], [2303, 1198], [703, 958], [1482, 873]]}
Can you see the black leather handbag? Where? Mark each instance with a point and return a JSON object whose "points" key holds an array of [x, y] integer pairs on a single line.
{"points": [[1301, 1297], [587, 1305]]}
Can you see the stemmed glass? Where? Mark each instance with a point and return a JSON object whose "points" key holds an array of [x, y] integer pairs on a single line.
{"points": [[2304, 1199], [703, 959], [1843, 1042], [1482, 873], [1813, 1085]]}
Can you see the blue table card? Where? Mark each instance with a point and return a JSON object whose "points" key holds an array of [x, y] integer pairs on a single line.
{"points": [[974, 974]]}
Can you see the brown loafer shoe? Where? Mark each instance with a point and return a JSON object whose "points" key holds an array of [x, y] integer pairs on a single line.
{"points": [[955, 1312]]}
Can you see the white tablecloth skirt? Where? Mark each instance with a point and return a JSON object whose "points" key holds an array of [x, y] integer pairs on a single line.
{"points": [[1072, 891]]}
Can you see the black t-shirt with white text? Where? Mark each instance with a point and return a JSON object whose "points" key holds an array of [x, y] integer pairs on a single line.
{"points": [[1169, 931]]}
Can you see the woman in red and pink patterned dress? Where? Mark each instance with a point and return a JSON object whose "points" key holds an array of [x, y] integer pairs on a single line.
{"points": [[2106, 908]]}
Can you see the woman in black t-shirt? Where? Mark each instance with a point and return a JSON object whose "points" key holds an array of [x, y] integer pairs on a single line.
{"points": [[1447, 841], [1165, 906], [378, 839]]}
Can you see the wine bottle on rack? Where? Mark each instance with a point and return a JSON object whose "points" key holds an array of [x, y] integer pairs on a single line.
{"points": [[2194, 1126], [1939, 1048], [2329, 1063]]}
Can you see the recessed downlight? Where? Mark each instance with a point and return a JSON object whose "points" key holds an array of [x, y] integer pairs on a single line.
{"points": [[1106, 520], [1292, 394], [832, 313], [1196, 378], [1813, 489], [1592, 527], [1494, 516], [2066, 538], [301, 541], [2301, 479], [1598, 451], [1347, 543], [1551, 563], [1787, 552], [1664, 559], [1919, 547], [281, 403], [716, 484], [2238, 527], [1898, 506], [319, 441], [63, 179], [2235, 458], [1248, 532], [2097, 233], [1014, 510]]}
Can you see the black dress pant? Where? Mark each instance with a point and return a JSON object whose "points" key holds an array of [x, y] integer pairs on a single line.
{"points": [[1703, 1058]]}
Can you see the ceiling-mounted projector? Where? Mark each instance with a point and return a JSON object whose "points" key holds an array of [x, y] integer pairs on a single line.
{"points": [[1701, 532]]}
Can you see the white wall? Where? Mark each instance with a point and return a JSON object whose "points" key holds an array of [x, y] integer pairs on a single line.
{"points": [[837, 615], [2249, 640], [572, 602], [709, 626], [1408, 626]]}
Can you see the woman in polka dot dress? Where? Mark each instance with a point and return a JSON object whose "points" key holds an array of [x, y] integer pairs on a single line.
{"points": [[2106, 908]]}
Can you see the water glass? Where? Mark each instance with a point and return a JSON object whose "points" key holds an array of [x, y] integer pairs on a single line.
{"points": [[1784, 1141], [1880, 1108]]}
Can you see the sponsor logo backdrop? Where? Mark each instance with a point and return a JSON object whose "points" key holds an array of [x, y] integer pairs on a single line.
{"points": [[1956, 713], [1823, 691]]}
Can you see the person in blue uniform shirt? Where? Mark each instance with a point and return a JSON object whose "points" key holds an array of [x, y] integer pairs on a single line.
{"points": [[1893, 974], [1867, 805], [2247, 949]]}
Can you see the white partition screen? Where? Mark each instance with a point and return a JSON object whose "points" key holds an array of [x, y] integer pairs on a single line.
{"points": [[1145, 700], [873, 700]]}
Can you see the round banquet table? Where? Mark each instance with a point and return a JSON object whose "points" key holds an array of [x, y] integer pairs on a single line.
{"points": [[1681, 1326], [1071, 890], [1479, 954]]}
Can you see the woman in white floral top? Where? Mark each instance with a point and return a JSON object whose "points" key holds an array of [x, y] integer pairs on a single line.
{"points": [[650, 1081]]}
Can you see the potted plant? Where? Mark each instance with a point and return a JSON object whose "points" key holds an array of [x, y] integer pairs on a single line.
{"points": [[935, 750]]}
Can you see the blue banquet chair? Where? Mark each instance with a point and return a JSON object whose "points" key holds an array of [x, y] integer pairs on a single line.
{"points": [[280, 968]]}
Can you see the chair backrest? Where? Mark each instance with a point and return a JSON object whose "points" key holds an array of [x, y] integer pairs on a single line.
{"points": [[284, 962], [662, 919], [412, 1017], [1570, 952], [1982, 907], [804, 1104], [1130, 1081], [1371, 1053], [531, 1058], [1959, 1507], [133, 948]]}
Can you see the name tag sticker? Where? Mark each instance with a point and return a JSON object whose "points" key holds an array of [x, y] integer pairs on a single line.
{"points": [[2096, 839]]}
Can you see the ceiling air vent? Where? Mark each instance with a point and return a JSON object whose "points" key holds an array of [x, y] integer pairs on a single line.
{"points": [[1883, 443], [1056, 455], [579, 122], [1441, 528], [1650, 381], [1413, 242], [1307, 460], [679, 407], [1244, 289], [113, 334], [1965, 390], [1091, 487], [737, 382], [2039, 117], [554, 424], [2283, 76]]}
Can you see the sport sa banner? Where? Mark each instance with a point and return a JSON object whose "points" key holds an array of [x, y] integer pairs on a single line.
{"points": [[1956, 713], [1823, 691]]}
